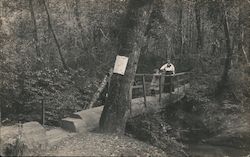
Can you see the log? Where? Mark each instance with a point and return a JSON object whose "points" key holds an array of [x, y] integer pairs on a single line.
{"points": [[105, 81]]}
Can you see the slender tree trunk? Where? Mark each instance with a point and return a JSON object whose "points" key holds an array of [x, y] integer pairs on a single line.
{"points": [[189, 28], [35, 37], [228, 47], [179, 26], [54, 36], [198, 25], [116, 109], [243, 12], [156, 14], [192, 32], [1, 12], [79, 24], [243, 48]]}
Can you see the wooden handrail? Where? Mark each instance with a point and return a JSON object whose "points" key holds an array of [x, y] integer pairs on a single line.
{"points": [[161, 75], [137, 86], [176, 79], [177, 74]]}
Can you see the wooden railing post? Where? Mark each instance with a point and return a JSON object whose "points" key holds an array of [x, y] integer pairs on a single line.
{"points": [[178, 80], [130, 93], [160, 88], [178, 89], [170, 84], [43, 112], [185, 83], [144, 90]]}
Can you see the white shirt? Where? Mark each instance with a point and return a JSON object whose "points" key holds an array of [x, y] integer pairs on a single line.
{"points": [[168, 67]]}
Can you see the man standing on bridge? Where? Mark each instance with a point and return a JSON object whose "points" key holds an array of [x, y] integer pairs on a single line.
{"points": [[168, 69]]}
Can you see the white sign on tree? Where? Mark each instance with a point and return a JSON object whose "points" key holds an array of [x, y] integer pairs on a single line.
{"points": [[120, 64]]}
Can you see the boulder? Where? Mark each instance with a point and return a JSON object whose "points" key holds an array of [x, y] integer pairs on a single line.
{"points": [[28, 139], [74, 125]]}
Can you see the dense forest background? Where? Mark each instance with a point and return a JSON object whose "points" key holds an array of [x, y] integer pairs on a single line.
{"points": [[56, 52]]}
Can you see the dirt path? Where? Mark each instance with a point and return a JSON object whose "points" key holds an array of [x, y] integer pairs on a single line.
{"points": [[96, 144]]}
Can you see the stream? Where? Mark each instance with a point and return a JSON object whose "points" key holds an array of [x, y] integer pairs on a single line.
{"points": [[206, 150], [197, 147], [189, 132], [197, 134]]}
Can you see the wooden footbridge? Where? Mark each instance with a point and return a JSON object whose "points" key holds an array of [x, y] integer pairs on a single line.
{"points": [[147, 96]]}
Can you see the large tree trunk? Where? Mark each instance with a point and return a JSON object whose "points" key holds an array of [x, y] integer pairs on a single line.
{"points": [[116, 108]]}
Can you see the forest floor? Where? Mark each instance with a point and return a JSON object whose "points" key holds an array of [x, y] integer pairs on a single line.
{"points": [[97, 144]]}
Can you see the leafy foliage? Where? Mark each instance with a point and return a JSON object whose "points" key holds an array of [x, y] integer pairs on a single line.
{"points": [[87, 33], [57, 90]]}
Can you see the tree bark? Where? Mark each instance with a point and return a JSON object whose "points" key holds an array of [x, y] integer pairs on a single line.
{"points": [[54, 36], [116, 108]]}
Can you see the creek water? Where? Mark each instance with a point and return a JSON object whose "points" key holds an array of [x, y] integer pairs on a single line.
{"points": [[187, 127], [206, 150], [196, 134], [196, 147]]}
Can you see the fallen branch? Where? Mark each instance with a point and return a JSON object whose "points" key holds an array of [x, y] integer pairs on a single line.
{"points": [[101, 88], [104, 34]]}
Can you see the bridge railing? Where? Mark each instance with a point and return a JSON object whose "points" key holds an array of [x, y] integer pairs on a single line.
{"points": [[156, 84]]}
